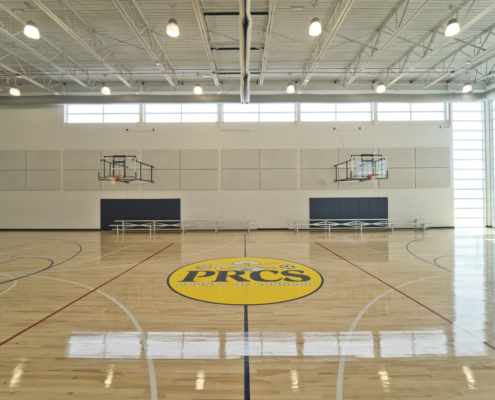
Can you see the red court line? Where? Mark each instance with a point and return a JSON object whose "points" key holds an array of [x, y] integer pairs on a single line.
{"points": [[409, 297], [82, 297]]}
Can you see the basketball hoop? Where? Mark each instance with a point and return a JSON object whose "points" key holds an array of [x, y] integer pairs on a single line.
{"points": [[113, 178], [372, 176]]}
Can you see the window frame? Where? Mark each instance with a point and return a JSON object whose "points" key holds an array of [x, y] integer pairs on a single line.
{"points": [[259, 113], [421, 122], [67, 114]]}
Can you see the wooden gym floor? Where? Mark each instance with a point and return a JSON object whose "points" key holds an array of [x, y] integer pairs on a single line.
{"points": [[89, 315]]}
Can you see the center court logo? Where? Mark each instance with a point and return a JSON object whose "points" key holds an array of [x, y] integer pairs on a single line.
{"points": [[245, 281]]}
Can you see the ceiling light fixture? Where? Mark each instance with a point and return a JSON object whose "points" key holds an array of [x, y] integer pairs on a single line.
{"points": [[198, 89], [453, 27], [290, 88], [31, 30], [381, 88], [15, 91], [315, 27], [172, 28], [105, 90], [467, 88]]}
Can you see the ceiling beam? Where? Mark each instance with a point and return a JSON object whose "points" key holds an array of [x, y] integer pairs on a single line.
{"points": [[460, 67], [205, 36], [45, 45], [43, 55], [324, 42], [461, 48], [357, 70], [27, 78], [442, 45], [29, 49], [118, 71], [268, 35], [151, 44]]}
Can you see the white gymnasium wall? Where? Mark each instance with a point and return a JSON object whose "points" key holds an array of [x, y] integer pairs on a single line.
{"points": [[43, 128]]}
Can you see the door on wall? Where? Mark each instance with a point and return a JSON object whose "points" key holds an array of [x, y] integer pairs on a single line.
{"points": [[137, 209]]}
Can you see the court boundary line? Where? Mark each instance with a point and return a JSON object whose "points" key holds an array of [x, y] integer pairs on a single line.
{"points": [[144, 340], [10, 288], [350, 332], [410, 298], [80, 298]]}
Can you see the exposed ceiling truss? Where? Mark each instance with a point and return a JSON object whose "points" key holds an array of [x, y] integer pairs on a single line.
{"points": [[29, 76], [125, 44], [96, 47], [141, 28], [205, 36], [268, 35], [354, 69], [341, 9], [47, 53], [428, 54], [479, 52]]}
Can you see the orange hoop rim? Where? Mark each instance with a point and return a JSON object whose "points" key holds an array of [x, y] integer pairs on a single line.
{"points": [[116, 177], [371, 176]]}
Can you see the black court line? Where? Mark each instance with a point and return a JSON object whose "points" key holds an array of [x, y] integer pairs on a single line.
{"points": [[51, 262], [247, 383], [247, 377]]}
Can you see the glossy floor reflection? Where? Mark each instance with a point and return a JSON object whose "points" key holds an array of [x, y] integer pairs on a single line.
{"points": [[400, 315]]}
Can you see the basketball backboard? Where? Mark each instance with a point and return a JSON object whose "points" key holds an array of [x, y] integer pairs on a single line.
{"points": [[362, 167], [125, 169]]}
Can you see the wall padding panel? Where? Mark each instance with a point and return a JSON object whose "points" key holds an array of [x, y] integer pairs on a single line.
{"points": [[199, 159], [162, 159], [400, 158], [319, 158], [399, 178], [81, 180], [12, 180], [319, 179], [163, 180], [82, 159], [276, 179], [278, 158], [198, 179], [432, 157], [12, 160], [432, 177], [43, 180], [42, 160], [241, 179], [240, 159], [345, 154]]}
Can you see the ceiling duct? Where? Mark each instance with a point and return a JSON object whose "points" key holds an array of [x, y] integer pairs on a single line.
{"points": [[245, 28]]}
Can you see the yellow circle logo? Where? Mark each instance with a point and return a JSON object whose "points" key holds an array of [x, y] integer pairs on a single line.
{"points": [[245, 281]]}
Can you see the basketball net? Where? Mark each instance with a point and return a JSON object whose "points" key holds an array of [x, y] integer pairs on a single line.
{"points": [[372, 176], [113, 178]]}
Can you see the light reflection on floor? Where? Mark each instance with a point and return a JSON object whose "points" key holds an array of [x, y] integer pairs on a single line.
{"points": [[213, 345]]}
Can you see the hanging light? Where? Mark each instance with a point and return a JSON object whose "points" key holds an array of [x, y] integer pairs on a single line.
{"points": [[290, 88], [315, 27], [467, 88], [198, 89], [15, 91], [381, 88], [105, 90], [31, 30], [453, 27], [172, 28]]}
